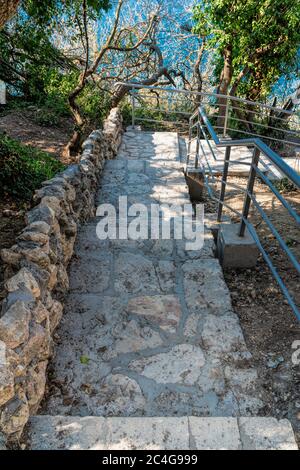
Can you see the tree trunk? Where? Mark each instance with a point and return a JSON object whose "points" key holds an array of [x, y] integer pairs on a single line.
{"points": [[7, 9], [197, 81], [74, 143], [225, 81]]}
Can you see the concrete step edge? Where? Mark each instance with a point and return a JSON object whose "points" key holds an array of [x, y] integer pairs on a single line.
{"points": [[159, 433]]}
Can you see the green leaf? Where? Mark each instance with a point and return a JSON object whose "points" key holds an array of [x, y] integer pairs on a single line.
{"points": [[84, 360]]}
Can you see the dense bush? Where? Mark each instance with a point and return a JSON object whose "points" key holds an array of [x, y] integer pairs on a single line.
{"points": [[23, 169]]}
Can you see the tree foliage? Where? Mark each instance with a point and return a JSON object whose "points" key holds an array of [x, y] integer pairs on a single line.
{"points": [[257, 40]]}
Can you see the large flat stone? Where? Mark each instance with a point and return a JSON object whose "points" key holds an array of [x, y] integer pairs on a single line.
{"points": [[67, 433], [205, 288], [119, 395], [162, 310], [135, 274], [181, 365], [130, 337], [215, 433], [266, 434], [222, 334], [148, 434]]}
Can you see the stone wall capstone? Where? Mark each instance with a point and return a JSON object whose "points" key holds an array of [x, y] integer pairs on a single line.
{"points": [[37, 278]]}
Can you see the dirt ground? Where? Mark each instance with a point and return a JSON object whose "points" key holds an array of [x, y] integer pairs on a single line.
{"points": [[21, 125], [268, 322]]}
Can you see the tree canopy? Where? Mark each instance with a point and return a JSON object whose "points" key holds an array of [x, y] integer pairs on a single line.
{"points": [[254, 42], [67, 55]]}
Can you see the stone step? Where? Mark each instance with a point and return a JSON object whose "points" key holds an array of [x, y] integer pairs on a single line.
{"points": [[184, 433]]}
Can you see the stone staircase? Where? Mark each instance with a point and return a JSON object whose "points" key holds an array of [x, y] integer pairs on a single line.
{"points": [[149, 354]]}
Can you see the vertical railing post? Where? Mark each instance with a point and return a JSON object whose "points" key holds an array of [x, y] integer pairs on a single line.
{"points": [[197, 144], [224, 181], [226, 117], [133, 107], [190, 143], [250, 186]]}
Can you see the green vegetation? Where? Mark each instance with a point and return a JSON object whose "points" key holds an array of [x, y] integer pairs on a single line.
{"points": [[23, 169], [285, 186], [253, 42], [64, 57]]}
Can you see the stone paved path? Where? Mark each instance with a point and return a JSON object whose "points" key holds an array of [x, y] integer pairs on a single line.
{"points": [[149, 328]]}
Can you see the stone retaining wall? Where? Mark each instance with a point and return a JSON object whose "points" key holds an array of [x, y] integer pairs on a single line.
{"points": [[37, 277]]}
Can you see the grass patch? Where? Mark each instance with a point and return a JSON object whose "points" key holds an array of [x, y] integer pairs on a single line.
{"points": [[24, 168]]}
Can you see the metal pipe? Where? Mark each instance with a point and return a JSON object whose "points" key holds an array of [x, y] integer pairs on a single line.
{"points": [[133, 109], [250, 186], [216, 95], [226, 118], [224, 182]]}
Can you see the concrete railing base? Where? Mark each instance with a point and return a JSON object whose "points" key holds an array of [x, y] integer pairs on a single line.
{"points": [[234, 251]]}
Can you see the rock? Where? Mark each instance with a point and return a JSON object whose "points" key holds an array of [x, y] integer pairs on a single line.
{"points": [[41, 213], [120, 395], [14, 325], [191, 325], [266, 434], [148, 434], [131, 338], [11, 257], [53, 277], [2, 442], [205, 288], [38, 255], [23, 278], [166, 272], [222, 334], [36, 382], [274, 363], [55, 314], [8, 213], [241, 379], [14, 416], [181, 365], [135, 274], [18, 295], [39, 227], [35, 237], [38, 344], [62, 279], [6, 377]]}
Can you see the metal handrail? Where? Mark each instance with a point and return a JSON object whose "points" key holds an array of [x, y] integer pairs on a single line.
{"points": [[254, 116], [204, 127], [259, 147], [133, 85], [256, 142]]}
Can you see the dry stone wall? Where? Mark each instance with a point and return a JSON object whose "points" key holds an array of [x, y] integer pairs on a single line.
{"points": [[37, 277]]}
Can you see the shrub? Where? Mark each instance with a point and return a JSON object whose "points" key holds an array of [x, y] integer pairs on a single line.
{"points": [[23, 169], [46, 117], [285, 185]]}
